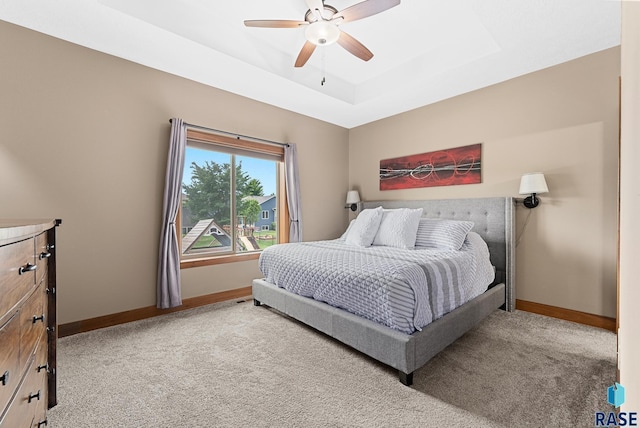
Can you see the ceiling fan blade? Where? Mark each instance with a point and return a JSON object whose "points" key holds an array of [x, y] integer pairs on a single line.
{"points": [[316, 5], [354, 46], [274, 23], [305, 53], [364, 9]]}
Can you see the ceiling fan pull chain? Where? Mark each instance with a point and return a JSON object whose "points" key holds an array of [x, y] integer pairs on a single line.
{"points": [[323, 70]]}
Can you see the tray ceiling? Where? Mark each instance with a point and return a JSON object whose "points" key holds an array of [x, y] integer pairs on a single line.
{"points": [[424, 51]]}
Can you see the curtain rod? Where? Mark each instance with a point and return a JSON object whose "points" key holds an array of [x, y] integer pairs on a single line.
{"points": [[238, 136]]}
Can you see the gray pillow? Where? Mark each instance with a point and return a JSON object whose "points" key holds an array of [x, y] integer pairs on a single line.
{"points": [[441, 233]]}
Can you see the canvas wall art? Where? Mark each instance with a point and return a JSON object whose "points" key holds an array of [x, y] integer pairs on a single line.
{"points": [[460, 165]]}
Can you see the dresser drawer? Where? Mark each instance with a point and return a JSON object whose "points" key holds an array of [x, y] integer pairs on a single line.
{"points": [[15, 419], [15, 258], [42, 256], [33, 319], [29, 401], [41, 369], [10, 372]]}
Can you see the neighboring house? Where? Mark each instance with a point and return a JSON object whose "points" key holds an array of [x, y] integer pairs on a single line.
{"points": [[268, 211]]}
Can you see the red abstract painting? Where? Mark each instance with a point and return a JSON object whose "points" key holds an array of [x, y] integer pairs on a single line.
{"points": [[460, 165]]}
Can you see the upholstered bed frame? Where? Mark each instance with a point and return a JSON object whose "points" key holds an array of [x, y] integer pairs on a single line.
{"points": [[494, 220]]}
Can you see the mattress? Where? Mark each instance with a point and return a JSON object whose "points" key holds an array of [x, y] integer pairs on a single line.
{"points": [[403, 289]]}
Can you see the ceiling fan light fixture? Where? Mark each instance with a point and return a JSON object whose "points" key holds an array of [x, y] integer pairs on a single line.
{"points": [[322, 21], [322, 33]]}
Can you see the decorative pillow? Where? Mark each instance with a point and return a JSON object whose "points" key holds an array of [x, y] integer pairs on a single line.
{"points": [[398, 228], [365, 227], [441, 233], [346, 232]]}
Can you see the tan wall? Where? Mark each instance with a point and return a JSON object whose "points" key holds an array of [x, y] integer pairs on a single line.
{"points": [[562, 121], [628, 343], [84, 138]]}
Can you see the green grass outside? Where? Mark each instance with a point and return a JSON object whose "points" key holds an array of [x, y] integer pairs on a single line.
{"points": [[207, 241], [262, 237], [265, 242]]}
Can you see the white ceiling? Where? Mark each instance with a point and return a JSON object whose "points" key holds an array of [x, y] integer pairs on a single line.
{"points": [[424, 50]]}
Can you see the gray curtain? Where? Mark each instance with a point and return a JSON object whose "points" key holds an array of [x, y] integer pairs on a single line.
{"points": [[169, 292], [292, 181]]}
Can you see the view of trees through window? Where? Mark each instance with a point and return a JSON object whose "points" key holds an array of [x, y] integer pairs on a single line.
{"points": [[224, 200]]}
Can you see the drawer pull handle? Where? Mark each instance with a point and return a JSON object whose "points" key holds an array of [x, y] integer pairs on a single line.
{"points": [[44, 256], [27, 268], [42, 423], [36, 396], [44, 367], [5, 378], [50, 247], [36, 319]]}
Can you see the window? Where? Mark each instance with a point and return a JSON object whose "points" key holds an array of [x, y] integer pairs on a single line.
{"points": [[265, 227], [228, 186]]}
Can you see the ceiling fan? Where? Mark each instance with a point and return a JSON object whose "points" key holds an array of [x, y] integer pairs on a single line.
{"points": [[322, 21]]}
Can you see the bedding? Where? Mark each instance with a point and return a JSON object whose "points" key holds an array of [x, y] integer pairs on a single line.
{"points": [[404, 289]]}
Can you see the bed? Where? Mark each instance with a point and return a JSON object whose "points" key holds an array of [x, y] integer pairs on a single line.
{"points": [[493, 220]]}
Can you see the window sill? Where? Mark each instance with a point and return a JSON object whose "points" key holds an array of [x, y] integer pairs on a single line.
{"points": [[210, 261]]}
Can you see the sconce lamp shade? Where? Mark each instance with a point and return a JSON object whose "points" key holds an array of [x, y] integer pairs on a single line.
{"points": [[353, 198], [531, 184]]}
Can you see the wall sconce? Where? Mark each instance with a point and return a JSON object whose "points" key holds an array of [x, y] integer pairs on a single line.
{"points": [[353, 199], [532, 184]]}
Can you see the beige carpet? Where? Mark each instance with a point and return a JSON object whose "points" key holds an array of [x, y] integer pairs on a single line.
{"points": [[233, 365]]}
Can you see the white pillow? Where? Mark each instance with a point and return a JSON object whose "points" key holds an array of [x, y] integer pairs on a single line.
{"points": [[346, 232], [365, 227], [398, 228], [441, 233]]}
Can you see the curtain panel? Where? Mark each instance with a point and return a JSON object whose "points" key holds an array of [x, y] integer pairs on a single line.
{"points": [[292, 182], [169, 293]]}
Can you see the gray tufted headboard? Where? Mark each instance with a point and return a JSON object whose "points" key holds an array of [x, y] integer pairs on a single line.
{"points": [[494, 220]]}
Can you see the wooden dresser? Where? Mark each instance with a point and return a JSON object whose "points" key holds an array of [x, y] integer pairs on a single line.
{"points": [[28, 329]]}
